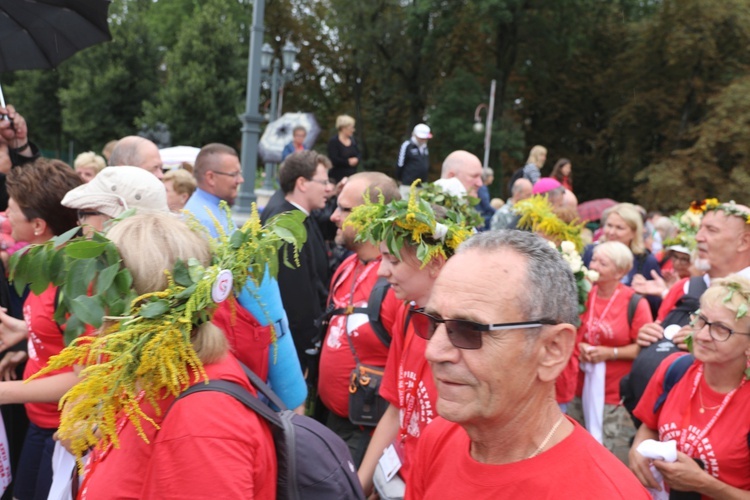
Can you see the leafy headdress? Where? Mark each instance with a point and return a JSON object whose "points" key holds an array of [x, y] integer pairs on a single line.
{"points": [[537, 215], [410, 222], [145, 349], [712, 205]]}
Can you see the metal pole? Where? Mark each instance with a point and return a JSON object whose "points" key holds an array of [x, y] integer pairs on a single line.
{"points": [[488, 126], [268, 182], [251, 120]]}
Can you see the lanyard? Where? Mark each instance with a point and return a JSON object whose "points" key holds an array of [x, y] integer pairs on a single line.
{"points": [[688, 413], [348, 299], [590, 323]]}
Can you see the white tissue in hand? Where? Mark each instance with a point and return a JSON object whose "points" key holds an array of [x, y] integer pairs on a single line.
{"points": [[656, 450]]}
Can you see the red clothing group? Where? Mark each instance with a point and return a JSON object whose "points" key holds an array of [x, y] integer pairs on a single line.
{"points": [[351, 286], [605, 323], [209, 442], [577, 467], [724, 448], [408, 385], [45, 340]]}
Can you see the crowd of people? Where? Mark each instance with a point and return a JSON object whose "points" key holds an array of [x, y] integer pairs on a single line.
{"points": [[455, 345]]}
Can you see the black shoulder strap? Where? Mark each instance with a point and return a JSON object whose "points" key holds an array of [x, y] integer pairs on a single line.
{"points": [[674, 373], [632, 306], [374, 304], [237, 392]]}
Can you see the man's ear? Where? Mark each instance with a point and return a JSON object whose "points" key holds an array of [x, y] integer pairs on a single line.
{"points": [[556, 347], [300, 184]]}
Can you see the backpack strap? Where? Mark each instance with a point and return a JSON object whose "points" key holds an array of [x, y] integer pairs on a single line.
{"points": [[696, 287], [374, 304], [674, 373], [632, 306], [237, 392]]}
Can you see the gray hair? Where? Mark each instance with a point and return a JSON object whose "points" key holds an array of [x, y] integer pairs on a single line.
{"points": [[487, 172], [550, 290]]}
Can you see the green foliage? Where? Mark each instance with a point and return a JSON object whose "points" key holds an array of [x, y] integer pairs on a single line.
{"points": [[75, 265], [203, 92]]}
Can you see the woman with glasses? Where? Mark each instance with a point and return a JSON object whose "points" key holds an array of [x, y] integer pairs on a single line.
{"points": [[415, 241], [607, 345], [36, 216], [707, 410]]}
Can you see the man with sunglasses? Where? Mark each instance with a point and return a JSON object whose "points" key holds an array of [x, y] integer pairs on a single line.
{"points": [[495, 357]]}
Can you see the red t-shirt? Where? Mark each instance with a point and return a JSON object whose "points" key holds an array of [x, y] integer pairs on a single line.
{"points": [[724, 449], [577, 467], [45, 340], [408, 385], [211, 446], [605, 322], [352, 284]]}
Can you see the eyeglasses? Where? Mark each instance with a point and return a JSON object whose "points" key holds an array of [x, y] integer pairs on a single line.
{"points": [[234, 175], [465, 334], [325, 182], [718, 332]]}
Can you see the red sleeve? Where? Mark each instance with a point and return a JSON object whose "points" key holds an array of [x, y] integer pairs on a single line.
{"points": [[670, 300], [390, 313], [644, 411], [389, 385], [641, 317]]}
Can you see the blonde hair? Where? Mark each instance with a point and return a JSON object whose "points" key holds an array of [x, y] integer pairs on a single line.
{"points": [[634, 220], [183, 181], [618, 253], [89, 159], [344, 121], [718, 294], [151, 244], [534, 155]]}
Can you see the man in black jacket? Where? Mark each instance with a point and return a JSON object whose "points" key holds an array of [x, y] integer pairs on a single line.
{"points": [[413, 159], [304, 183]]}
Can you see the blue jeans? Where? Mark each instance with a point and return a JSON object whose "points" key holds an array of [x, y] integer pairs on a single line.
{"points": [[34, 474]]}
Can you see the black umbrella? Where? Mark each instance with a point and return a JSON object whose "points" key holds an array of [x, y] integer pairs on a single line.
{"points": [[40, 34]]}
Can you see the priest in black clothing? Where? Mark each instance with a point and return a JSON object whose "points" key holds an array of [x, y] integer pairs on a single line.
{"points": [[305, 186]]}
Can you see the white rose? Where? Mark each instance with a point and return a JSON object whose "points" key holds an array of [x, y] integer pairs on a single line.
{"points": [[552, 244], [593, 276], [568, 247]]}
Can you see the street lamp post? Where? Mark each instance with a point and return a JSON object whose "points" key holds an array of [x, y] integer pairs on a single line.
{"points": [[277, 78], [251, 120], [478, 127]]}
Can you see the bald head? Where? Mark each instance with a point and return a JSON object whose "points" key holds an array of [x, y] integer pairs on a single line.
{"points": [[521, 189], [466, 167], [137, 152]]}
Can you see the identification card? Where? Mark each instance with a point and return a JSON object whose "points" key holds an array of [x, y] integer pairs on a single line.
{"points": [[390, 462]]}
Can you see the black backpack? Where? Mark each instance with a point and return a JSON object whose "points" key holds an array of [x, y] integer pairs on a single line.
{"points": [[313, 462], [648, 360]]}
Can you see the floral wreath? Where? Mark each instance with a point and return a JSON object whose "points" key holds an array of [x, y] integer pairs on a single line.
{"points": [[537, 215], [412, 221], [436, 195], [712, 204], [687, 222], [146, 352]]}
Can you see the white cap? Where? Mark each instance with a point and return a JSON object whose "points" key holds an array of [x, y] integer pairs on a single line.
{"points": [[422, 131], [116, 189], [679, 248]]}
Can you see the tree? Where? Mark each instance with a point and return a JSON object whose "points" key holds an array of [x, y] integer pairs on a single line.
{"points": [[204, 89]]}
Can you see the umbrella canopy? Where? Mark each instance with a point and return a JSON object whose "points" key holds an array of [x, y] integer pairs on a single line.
{"points": [[39, 34], [278, 134], [592, 210], [174, 156]]}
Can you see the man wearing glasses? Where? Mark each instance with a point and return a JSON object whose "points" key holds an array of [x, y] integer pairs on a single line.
{"points": [[500, 329], [303, 178]]}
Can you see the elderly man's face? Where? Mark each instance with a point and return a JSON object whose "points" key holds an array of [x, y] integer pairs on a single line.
{"points": [[470, 175], [718, 238], [485, 385], [151, 160]]}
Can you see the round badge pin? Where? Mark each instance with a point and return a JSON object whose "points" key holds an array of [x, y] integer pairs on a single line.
{"points": [[222, 286]]}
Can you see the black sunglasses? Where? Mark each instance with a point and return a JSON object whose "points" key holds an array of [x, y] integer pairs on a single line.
{"points": [[465, 334]]}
